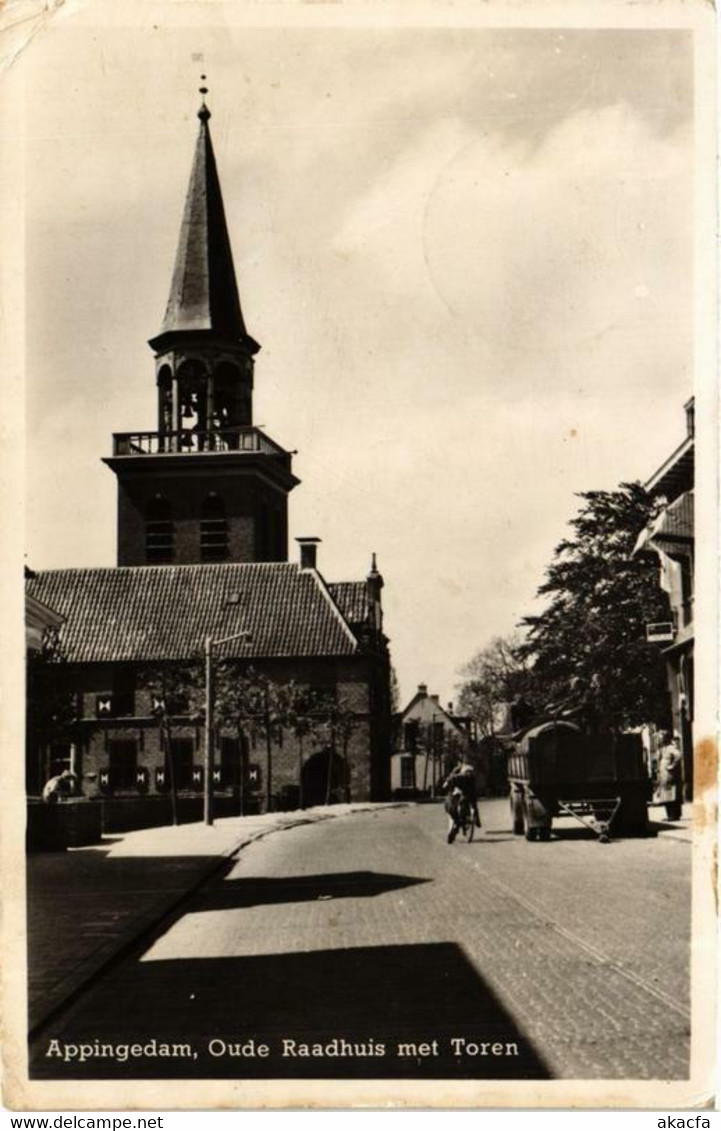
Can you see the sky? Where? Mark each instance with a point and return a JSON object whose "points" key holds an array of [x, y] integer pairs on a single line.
{"points": [[466, 253]]}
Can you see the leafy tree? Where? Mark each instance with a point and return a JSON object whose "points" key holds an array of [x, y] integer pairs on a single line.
{"points": [[269, 713], [259, 709], [588, 648], [176, 688]]}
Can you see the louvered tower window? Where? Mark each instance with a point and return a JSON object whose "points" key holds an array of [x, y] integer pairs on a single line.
{"points": [[213, 530], [159, 535]]}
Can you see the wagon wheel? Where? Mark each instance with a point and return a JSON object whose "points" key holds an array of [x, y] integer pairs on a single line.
{"points": [[531, 832], [517, 814], [469, 826]]}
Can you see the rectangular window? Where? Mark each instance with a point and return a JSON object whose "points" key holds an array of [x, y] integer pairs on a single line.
{"points": [[159, 542], [123, 704], [214, 540], [182, 750], [410, 736], [407, 775], [123, 763], [230, 761]]}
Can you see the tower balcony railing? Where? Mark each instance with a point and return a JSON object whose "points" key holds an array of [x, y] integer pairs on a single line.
{"points": [[189, 440]]}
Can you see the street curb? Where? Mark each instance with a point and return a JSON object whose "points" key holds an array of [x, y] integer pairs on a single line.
{"points": [[134, 933], [683, 838]]}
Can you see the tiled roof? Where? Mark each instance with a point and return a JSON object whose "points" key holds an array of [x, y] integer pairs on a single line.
{"points": [[351, 597], [165, 612]]}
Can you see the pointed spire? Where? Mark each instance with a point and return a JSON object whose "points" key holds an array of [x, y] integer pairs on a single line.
{"points": [[374, 585], [204, 292], [373, 572]]}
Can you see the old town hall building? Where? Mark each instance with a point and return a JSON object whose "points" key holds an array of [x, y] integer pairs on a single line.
{"points": [[202, 529]]}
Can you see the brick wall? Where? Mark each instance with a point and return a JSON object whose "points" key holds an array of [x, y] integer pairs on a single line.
{"points": [[244, 495], [362, 764]]}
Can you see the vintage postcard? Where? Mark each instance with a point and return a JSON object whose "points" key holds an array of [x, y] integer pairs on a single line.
{"points": [[359, 472]]}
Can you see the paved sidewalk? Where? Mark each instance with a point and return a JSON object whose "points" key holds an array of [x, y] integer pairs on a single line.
{"points": [[86, 906], [673, 830]]}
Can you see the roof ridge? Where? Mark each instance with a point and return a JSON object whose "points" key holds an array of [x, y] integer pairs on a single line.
{"points": [[165, 568], [323, 586]]}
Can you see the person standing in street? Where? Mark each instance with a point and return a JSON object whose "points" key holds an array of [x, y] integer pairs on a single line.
{"points": [[670, 774]]}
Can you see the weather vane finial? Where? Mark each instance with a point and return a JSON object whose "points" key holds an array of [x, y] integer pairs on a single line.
{"points": [[204, 112]]}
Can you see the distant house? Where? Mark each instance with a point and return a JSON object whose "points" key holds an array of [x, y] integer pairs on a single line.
{"points": [[427, 740], [671, 539]]}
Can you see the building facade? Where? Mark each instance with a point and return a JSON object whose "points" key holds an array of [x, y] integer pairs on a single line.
{"points": [[671, 539], [427, 740], [202, 553]]}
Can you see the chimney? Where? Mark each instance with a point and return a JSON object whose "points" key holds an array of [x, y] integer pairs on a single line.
{"points": [[449, 708], [690, 423], [422, 688], [308, 552], [434, 699]]}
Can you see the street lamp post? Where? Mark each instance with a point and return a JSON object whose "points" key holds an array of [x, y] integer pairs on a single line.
{"points": [[209, 720]]}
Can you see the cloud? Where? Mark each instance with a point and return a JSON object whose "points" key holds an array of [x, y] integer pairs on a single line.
{"points": [[556, 246]]}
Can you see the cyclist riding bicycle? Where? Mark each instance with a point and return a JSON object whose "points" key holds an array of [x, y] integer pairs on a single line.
{"points": [[461, 781]]}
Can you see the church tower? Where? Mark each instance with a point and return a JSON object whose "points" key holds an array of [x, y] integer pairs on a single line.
{"points": [[207, 486]]}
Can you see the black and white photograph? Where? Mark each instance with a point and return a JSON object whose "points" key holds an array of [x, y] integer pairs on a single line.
{"points": [[362, 479]]}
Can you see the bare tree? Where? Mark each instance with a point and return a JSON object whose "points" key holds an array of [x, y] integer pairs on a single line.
{"points": [[303, 722], [340, 721], [495, 677], [176, 690], [235, 704]]}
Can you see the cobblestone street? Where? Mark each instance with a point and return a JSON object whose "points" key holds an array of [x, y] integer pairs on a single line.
{"points": [[498, 959]]}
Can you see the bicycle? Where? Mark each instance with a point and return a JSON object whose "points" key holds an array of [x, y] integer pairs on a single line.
{"points": [[460, 811]]}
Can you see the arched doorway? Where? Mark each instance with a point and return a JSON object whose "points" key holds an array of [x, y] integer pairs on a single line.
{"points": [[316, 771]]}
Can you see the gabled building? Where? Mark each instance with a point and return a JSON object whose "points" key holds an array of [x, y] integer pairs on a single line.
{"points": [[671, 539], [202, 552], [427, 740]]}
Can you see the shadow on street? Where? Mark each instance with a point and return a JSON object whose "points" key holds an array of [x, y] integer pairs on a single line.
{"points": [[253, 892], [372, 997]]}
